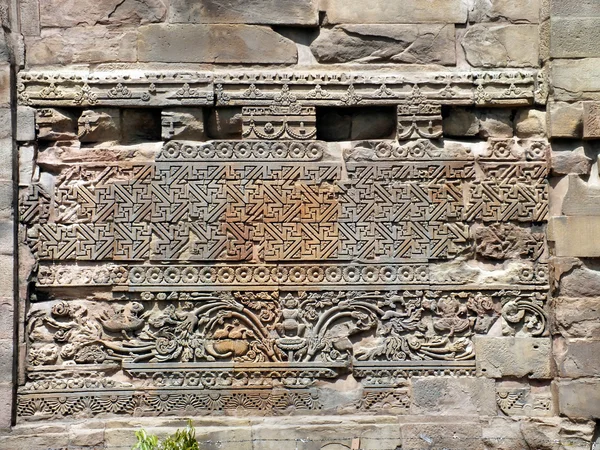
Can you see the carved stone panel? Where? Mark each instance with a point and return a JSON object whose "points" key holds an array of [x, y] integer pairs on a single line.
{"points": [[210, 276]]}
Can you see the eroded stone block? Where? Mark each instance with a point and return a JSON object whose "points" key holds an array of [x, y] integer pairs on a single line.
{"points": [[570, 161], [501, 45], [95, 44], [576, 236], [574, 37], [55, 124], [220, 44], [530, 123], [447, 396], [73, 13], [262, 12], [577, 317], [183, 123], [579, 398], [102, 124], [575, 79], [577, 358], [25, 124], [413, 44], [499, 357], [383, 11]]}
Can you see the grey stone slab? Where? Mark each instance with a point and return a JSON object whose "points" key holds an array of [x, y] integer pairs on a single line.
{"points": [[579, 398], [499, 357], [406, 11], [453, 396], [501, 45], [574, 37], [261, 12], [214, 44], [414, 44]]}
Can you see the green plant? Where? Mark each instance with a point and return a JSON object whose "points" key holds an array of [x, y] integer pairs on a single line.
{"points": [[181, 440]]}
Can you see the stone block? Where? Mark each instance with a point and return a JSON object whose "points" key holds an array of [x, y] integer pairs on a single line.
{"points": [[406, 11], [412, 44], [579, 398], [25, 123], [55, 124], [576, 317], [260, 12], [143, 125], [6, 123], [7, 318], [183, 123], [73, 13], [6, 360], [89, 45], [576, 79], [26, 155], [6, 156], [565, 120], [6, 200], [574, 37], [326, 433], [582, 198], [495, 123], [436, 435], [530, 123], [5, 85], [461, 122], [591, 120], [30, 17], [576, 236], [6, 410], [220, 44], [453, 396], [510, 10], [6, 237], [498, 357], [567, 161], [577, 358], [99, 125], [522, 398], [580, 282], [575, 8], [494, 46]]}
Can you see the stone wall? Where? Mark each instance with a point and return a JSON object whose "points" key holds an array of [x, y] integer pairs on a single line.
{"points": [[322, 224]]}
